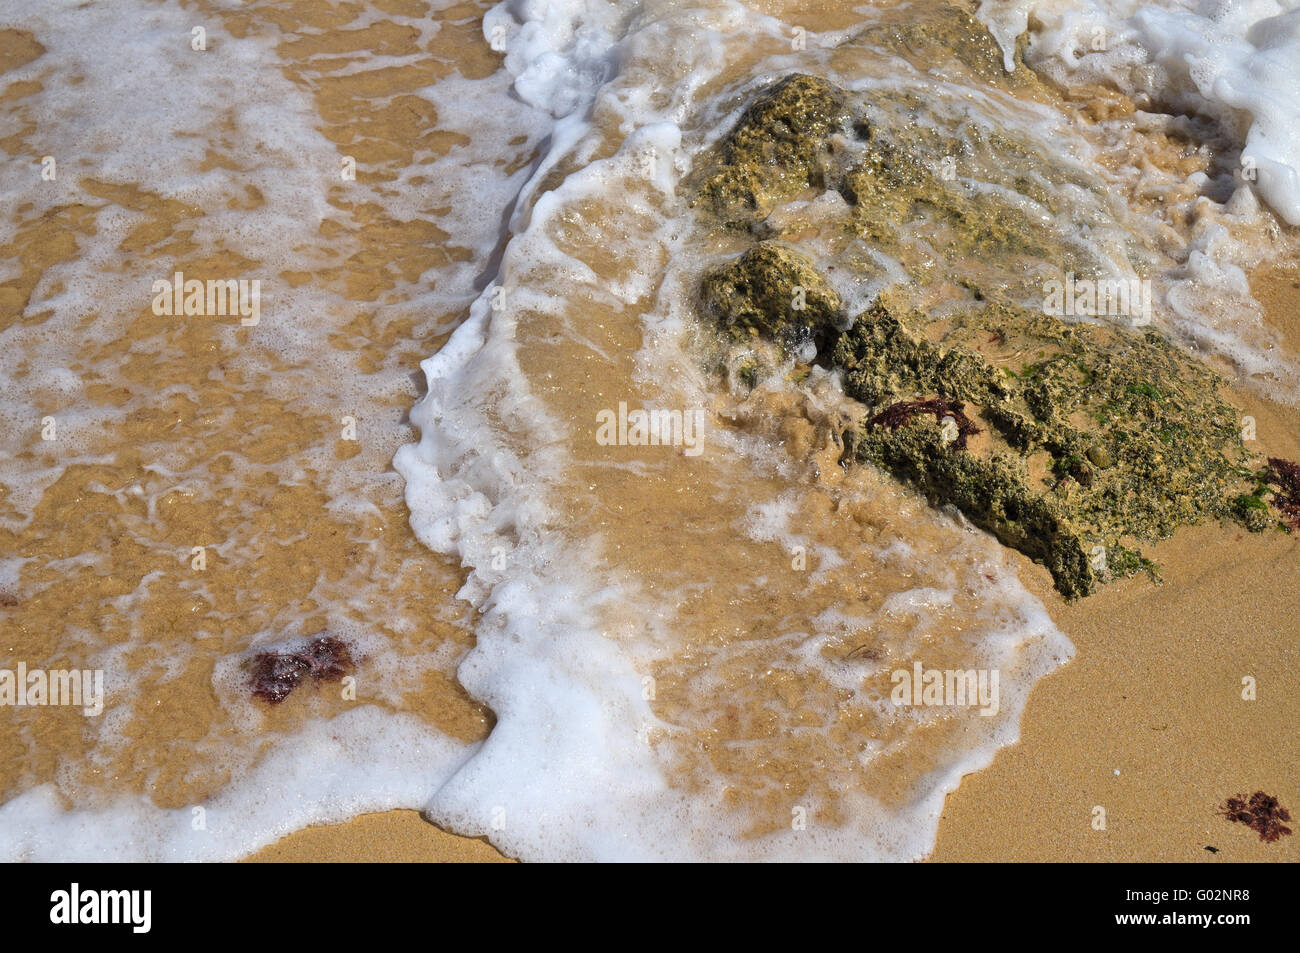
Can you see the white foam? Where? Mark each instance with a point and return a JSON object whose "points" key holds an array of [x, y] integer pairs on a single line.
{"points": [[1237, 64], [1233, 61], [361, 761]]}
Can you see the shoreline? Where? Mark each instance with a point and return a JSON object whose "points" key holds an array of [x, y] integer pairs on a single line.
{"points": [[1153, 693], [165, 541], [1179, 735]]}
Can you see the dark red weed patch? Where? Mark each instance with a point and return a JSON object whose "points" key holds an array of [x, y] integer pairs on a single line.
{"points": [[273, 675], [1285, 477], [1260, 812], [901, 413]]}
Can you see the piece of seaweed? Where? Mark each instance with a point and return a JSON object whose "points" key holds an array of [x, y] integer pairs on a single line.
{"points": [[1260, 812], [900, 413], [1285, 475], [274, 675]]}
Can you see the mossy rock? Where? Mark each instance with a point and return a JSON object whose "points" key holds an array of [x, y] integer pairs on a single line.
{"points": [[1094, 437], [775, 292], [975, 195], [1129, 435], [776, 149], [993, 493], [1097, 435], [930, 33]]}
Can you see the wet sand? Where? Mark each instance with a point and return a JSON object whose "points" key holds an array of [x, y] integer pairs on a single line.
{"points": [[1153, 693], [1148, 722], [244, 454]]}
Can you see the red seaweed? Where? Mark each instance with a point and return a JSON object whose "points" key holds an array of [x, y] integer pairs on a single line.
{"points": [[1261, 813], [273, 675], [901, 413], [1285, 475]]}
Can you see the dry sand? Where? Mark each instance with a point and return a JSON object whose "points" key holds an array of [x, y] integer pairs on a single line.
{"points": [[392, 836]]}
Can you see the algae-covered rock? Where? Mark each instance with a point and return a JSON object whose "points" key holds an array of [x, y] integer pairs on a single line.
{"points": [[1097, 437], [1072, 442], [932, 33], [776, 149], [971, 192], [1099, 434], [773, 291], [890, 187], [994, 493]]}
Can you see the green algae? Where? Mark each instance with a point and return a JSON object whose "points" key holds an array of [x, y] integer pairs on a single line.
{"points": [[921, 183], [994, 493], [1129, 437], [1104, 437], [1252, 510], [773, 291], [1099, 437], [1095, 438]]}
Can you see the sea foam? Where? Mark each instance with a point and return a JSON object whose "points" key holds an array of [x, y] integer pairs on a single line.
{"points": [[1232, 61], [581, 764]]}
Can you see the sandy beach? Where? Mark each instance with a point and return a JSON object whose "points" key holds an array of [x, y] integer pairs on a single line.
{"points": [[238, 444], [1160, 761]]}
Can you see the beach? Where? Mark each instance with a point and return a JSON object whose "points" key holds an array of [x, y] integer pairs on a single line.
{"points": [[555, 645], [1161, 759]]}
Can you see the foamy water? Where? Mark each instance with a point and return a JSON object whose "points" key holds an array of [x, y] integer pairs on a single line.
{"points": [[690, 653]]}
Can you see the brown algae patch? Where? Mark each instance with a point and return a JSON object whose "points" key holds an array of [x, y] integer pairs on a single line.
{"points": [[776, 150], [929, 33], [956, 199], [774, 291], [1281, 479]]}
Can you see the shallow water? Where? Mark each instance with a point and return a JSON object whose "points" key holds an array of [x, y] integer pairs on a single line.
{"points": [[610, 651]]}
